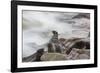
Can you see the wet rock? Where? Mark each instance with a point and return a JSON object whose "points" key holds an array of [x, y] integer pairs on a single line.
{"points": [[39, 53], [34, 57]]}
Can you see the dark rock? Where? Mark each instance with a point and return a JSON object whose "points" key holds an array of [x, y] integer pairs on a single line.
{"points": [[34, 57], [39, 53], [30, 58], [82, 15], [80, 45]]}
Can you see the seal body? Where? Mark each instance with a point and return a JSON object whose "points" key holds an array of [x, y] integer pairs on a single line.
{"points": [[54, 44]]}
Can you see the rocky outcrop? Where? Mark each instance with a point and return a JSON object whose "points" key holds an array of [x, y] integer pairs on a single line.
{"points": [[62, 49], [34, 57], [77, 54], [78, 43], [67, 49]]}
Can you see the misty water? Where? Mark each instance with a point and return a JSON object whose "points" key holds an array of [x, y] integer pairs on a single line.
{"points": [[38, 27]]}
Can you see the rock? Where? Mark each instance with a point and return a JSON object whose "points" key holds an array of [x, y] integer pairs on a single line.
{"points": [[73, 54], [83, 51], [82, 15], [39, 53], [30, 58], [83, 56], [87, 52], [62, 40], [78, 54], [34, 57], [53, 57], [79, 43]]}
